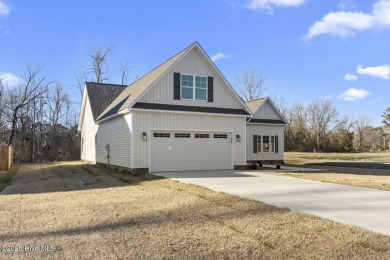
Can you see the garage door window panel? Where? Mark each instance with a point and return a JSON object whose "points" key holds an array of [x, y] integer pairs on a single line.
{"points": [[202, 136], [162, 135], [182, 135], [220, 136]]}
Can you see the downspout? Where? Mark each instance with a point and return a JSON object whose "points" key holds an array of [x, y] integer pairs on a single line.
{"points": [[108, 155]]}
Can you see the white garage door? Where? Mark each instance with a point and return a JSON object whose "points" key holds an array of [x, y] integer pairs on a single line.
{"points": [[187, 151]]}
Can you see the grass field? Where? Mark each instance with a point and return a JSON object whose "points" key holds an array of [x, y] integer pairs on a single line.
{"points": [[7, 176], [86, 211], [374, 156], [368, 178], [354, 174]]}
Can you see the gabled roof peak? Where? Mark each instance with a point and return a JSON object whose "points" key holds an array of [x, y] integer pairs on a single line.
{"points": [[137, 89]]}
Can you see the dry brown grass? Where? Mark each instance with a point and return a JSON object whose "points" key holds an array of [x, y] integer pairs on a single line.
{"points": [[372, 156], [91, 212], [360, 177]]}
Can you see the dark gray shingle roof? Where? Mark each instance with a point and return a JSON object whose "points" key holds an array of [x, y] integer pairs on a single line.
{"points": [[101, 96], [216, 110], [267, 121]]}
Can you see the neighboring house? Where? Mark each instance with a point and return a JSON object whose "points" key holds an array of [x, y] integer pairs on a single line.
{"points": [[183, 115], [265, 132]]}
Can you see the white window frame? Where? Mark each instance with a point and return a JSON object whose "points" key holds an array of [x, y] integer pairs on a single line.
{"points": [[194, 88], [272, 145]]}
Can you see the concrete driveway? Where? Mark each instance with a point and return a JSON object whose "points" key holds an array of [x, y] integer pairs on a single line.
{"points": [[366, 208]]}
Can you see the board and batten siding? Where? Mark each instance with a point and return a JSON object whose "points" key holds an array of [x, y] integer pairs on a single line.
{"points": [[267, 111], [194, 63], [258, 129], [117, 134], [150, 121], [88, 131]]}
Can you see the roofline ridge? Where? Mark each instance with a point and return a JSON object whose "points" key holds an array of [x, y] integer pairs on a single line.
{"points": [[106, 83], [256, 99]]}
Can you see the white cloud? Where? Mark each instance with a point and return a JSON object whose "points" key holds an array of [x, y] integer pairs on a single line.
{"points": [[219, 56], [9, 79], [347, 23], [350, 77], [269, 5], [4, 9], [379, 71], [352, 94], [347, 4]]}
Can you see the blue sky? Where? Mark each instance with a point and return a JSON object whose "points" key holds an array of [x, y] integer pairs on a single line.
{"points": [[308, 49]]}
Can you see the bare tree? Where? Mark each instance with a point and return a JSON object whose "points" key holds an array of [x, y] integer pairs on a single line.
{"points": [[125, 72], [320, 114], [98, 57], [360, 126], [250, 84], [281, 104], [32, 87], [1, 87], [81, 78], [58, 104], [2, 111]]}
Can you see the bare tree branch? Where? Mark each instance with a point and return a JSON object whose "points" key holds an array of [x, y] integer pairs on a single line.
{"points": [[81, 78], [98, 57], [32, 87], [250, 84], [125, 72]]}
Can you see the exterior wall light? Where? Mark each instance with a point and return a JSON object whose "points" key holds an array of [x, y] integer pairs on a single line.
{"points": [[144, 136], [238, 138]]}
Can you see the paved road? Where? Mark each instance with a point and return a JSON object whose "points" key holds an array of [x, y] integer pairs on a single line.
{"points": [[367, 208]]}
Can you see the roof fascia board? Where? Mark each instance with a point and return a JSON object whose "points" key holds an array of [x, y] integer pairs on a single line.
{"points": [[186, 112], [265, 124], [83, 104]]}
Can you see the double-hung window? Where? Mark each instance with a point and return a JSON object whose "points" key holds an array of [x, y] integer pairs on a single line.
{"points": [[265, 144], [193, 87]]}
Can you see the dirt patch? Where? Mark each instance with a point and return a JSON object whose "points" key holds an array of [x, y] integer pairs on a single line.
{"points": [[86, 211]]}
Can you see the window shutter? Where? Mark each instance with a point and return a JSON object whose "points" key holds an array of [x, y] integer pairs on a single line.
{"points": [[276, 144], [254, 143], [210, 89], [176, 85]]}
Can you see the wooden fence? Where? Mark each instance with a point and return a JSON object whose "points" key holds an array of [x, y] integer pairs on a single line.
{"points": [[5, 157]]}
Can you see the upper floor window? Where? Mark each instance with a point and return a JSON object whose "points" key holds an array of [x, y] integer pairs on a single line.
{"points": [[193, 87]]}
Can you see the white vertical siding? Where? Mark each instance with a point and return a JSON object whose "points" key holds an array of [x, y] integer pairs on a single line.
{"points": [[267, 111], [148, 121], [117, 133], [264, 130], [194, 64], [88, 131]]}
